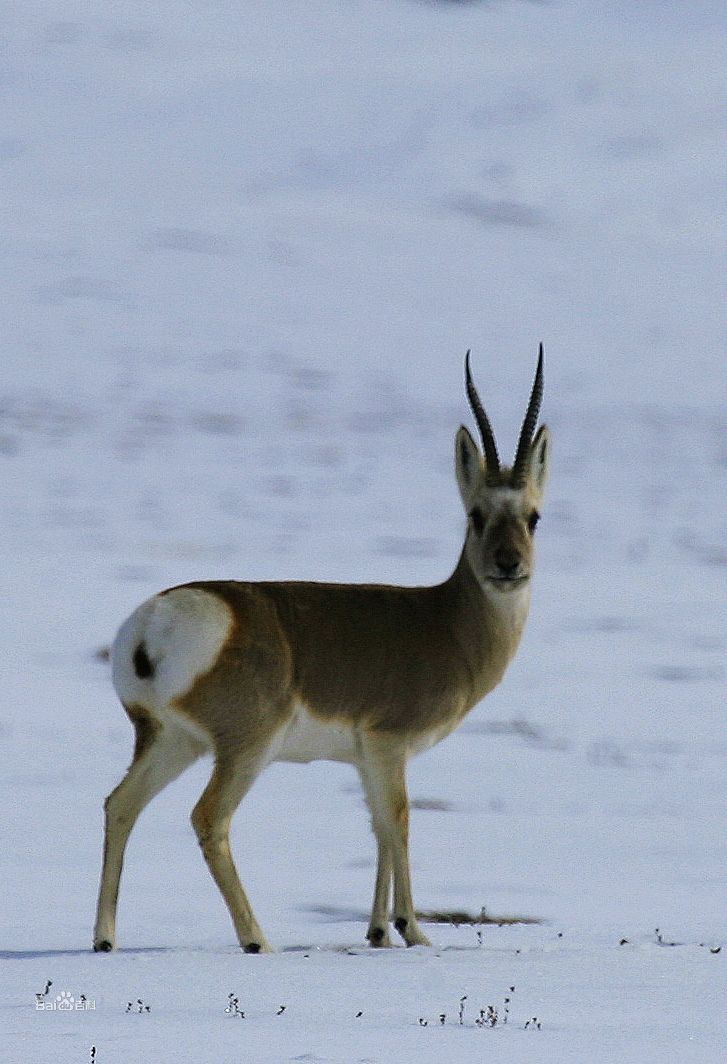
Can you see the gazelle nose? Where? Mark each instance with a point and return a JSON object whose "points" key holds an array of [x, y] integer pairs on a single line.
{"points": [[508, 562]]}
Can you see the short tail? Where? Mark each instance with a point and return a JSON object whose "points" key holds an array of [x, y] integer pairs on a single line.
{"points": [[143, 665]]}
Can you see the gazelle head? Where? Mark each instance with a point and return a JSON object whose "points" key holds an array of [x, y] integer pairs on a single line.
{"points": [[502, 502]]}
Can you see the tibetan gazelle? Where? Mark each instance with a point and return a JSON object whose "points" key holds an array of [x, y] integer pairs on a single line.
{"points": [[292, 671]]}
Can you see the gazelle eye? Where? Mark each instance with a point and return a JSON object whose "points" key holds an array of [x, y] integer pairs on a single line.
{"points": [[533, 521], [478, 521]]}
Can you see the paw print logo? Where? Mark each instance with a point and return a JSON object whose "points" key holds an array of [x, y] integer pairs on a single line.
{"points": [[65, 1000]]}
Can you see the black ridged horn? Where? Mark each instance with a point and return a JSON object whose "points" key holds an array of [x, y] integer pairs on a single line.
{"points": [[483, 423], [528, 430]]}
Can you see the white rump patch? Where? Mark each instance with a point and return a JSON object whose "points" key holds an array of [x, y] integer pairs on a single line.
{"points": [[182, 633]]}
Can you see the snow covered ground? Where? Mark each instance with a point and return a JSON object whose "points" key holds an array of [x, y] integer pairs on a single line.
{"points": [[244, 248]]}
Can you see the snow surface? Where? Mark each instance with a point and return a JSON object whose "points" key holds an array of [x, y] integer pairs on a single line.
{"points": [[244, 249]]}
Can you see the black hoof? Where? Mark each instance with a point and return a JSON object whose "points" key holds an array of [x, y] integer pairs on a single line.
{"points": [[376, 936], [401, 925], [102, 947], [252, 947]]}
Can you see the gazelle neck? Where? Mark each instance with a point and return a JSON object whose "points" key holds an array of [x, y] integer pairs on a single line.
{"points": [[489, 623]]}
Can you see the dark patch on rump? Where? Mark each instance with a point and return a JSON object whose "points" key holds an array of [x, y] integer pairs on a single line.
{"points": [[143, 665]]}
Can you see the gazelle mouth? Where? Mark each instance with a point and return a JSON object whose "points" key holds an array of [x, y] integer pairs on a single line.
{"points": [[509, 581]]}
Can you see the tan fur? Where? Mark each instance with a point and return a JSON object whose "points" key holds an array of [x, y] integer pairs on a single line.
{"points": [[371, 674]]}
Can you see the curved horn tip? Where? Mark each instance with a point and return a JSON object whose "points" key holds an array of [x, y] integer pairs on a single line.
{"points": [[538, 379], [530, 421], [488, 439]]}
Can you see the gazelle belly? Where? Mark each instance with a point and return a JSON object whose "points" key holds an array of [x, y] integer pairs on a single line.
{"points": [[310, 738], [426, 740]]}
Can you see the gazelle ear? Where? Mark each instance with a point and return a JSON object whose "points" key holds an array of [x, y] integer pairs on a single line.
{"points": [[469, 464], [538, 462]]}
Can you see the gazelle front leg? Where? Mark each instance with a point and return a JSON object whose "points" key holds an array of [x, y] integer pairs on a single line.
{"points": [[383, 772], [378, 932]]}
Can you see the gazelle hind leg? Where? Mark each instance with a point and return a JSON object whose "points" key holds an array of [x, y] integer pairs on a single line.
{"points": [[230, 781], [161, 753], [383, 771]]}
